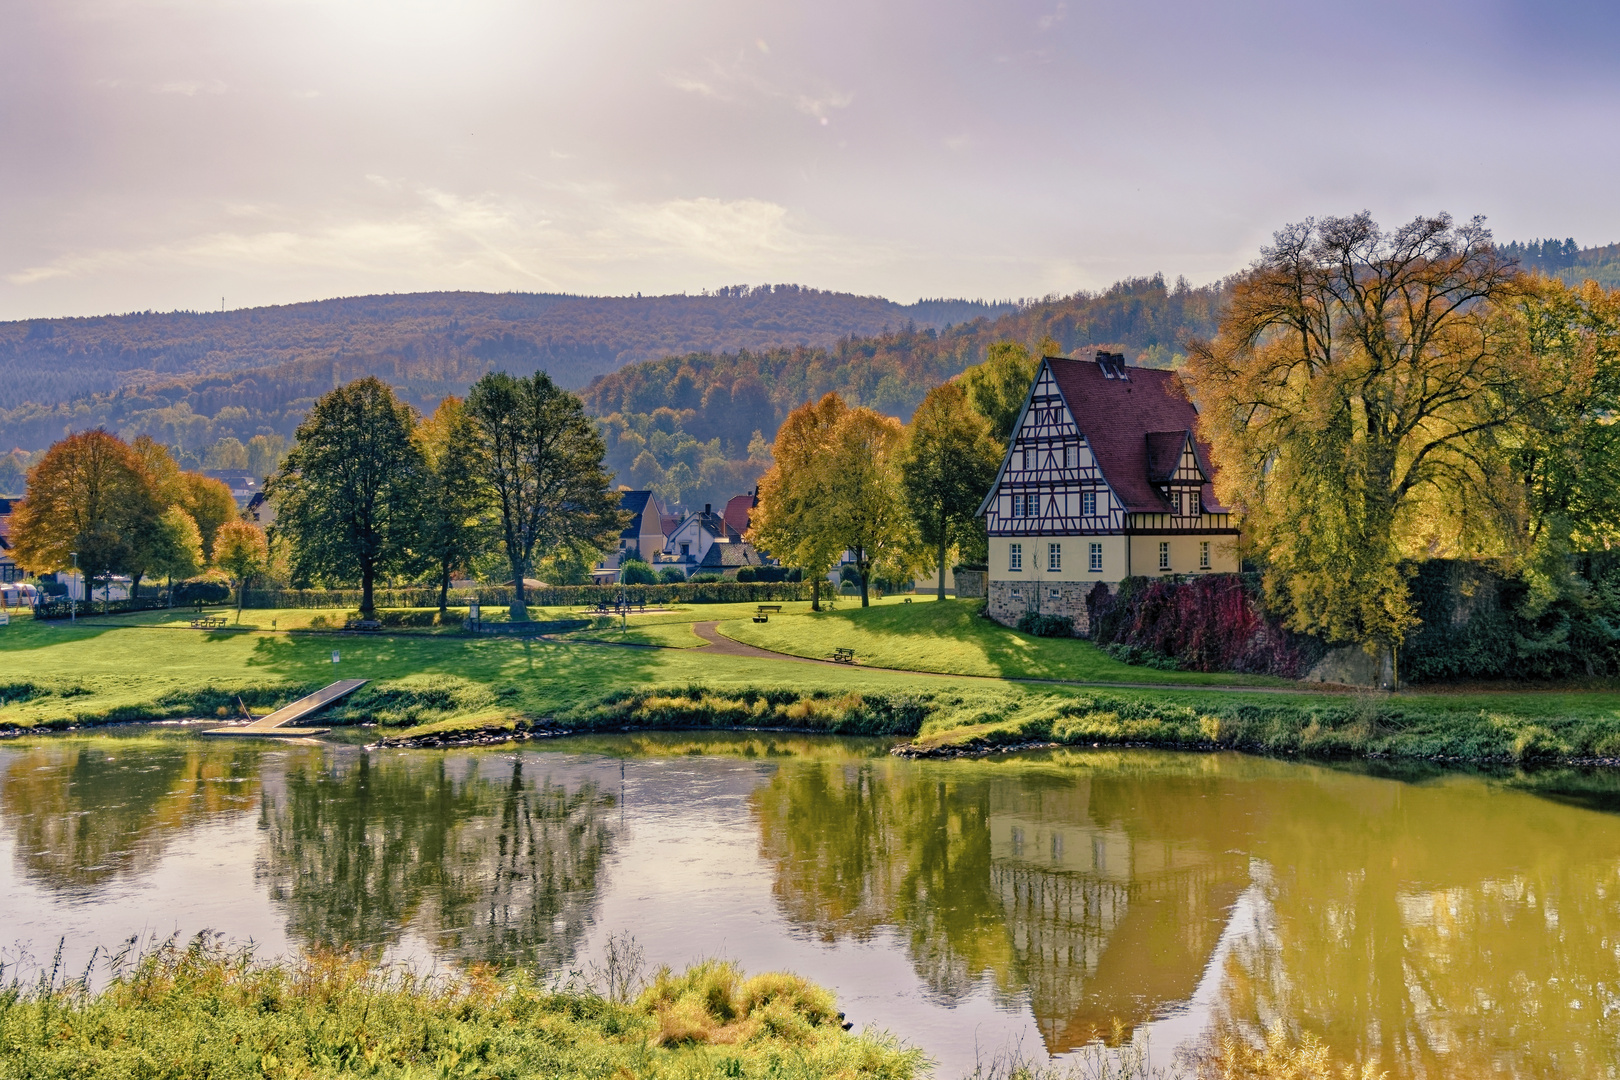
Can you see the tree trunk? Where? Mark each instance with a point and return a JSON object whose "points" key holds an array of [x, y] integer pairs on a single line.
{"points": [[444, 591], [941, 594], [520, 605], [865, 571], [368, 608], [815, 594], [135, 586]]}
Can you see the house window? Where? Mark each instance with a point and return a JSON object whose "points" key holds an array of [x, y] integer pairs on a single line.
{"points": [[1175, 502], [1018, 594], [1164, 554], [1015, 556], [1018, 505], [686, 549], [1088, 504], [1029, 459], [1071, 456], [1054, 557], [1196, 503], [1203, 555], [1054, 594], [1094, 559]]}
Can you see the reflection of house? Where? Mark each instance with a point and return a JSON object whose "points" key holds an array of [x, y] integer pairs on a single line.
{"points": [[1109, 926], [1104, 478]]}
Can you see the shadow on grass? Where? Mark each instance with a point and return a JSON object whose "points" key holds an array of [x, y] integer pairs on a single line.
{"points": [[526, 677]]}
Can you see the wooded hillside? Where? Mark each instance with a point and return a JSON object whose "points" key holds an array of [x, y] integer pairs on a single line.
{"points": [[171, 375]]}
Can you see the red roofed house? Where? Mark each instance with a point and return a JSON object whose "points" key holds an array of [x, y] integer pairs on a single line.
{"points": [[1105, 479], [739, 511]]}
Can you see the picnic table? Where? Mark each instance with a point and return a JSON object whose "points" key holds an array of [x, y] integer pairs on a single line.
{"points": [[843, 656], [762, 615], [208, 622]]}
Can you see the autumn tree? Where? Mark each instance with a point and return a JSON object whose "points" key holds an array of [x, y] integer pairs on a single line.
{"points": [[997, 387], [240, 549], [542, 459], [796, 493], [89, 495], [949, 462], [347, 494], [454, 529], [178, 552], [1351, 381], [210, 505]]}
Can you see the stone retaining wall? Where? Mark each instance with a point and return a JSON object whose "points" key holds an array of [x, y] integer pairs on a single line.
{"points": [[1070, 600]]}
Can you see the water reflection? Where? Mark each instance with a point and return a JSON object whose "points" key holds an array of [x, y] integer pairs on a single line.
{"points": [[1447, 928], [87, 812], [481, 859], [1044, 882]]}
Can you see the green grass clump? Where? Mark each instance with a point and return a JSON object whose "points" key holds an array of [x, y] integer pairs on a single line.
{"points": [[698, 706], [209, 1010]]}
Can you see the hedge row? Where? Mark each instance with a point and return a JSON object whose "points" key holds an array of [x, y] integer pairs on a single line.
{"points": [[718, 592]]}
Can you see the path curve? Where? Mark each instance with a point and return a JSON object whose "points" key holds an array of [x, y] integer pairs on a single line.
{"points": [[721, 645]]}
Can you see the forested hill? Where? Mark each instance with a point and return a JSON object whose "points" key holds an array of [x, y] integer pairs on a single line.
{"points": [[684, 426], [172, 375]]}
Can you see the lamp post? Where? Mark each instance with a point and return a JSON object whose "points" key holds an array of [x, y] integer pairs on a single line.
{"points": [[73, 601]]}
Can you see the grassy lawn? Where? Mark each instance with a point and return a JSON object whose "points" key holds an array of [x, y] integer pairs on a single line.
{"points": [[947, 637], [154, 666]]}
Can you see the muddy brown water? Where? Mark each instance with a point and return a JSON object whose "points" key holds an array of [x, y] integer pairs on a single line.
{"points": [[1440, 923]]}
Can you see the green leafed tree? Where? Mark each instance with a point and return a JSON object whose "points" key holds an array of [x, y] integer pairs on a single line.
{"points": [[455, 527], [240, 549], [796, 494], [178, 551], [348, 495], [542, 459], [1351, 390], [996, 388], [947, 465]]}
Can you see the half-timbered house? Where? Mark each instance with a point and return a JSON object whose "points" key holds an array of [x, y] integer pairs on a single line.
{"points": [[1105, 478]]}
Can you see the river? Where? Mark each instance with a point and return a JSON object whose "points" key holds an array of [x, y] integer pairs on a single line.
{"points": [[1440, 923]]}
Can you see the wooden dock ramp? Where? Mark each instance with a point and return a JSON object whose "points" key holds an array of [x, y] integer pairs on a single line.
{"points": [[275, 723]]}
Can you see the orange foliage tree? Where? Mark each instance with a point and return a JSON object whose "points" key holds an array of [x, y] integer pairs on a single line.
{"points": [[89, 495]]}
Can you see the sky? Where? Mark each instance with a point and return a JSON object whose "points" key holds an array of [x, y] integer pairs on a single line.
{"points": [[184, 154]]}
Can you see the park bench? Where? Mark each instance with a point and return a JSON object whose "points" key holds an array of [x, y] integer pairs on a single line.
{"points": [[843, 656], [208, 622], [763, 615], [907, 600]]}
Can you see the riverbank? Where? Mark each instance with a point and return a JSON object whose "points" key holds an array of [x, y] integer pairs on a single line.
{"points": [[445, 689], [210, 1010]]}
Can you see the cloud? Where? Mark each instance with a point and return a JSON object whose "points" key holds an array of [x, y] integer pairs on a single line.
{"points": [[190, 87], [735, 232], [741, 78]]}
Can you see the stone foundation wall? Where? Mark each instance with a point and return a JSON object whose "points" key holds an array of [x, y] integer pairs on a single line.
{"points": [[1070, 600], [969, 583]]}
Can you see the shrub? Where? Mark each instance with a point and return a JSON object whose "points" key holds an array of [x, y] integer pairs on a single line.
{"points": [[747, 573], [671, 576], [636, 572], [708, 577], [1211, 623], [210, 589], [1033, 622]]}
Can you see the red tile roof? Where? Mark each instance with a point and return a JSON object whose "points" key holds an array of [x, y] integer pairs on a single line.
{"points": [[1121, 417], [738, 508]]}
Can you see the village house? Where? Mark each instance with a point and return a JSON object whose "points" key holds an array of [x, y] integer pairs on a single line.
{"points": [[642, 538], [1104, 478], [690, 541]]}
